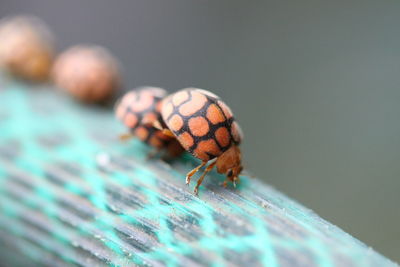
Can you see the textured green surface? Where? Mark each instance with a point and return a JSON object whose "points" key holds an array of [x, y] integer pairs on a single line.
{"points": [[72, 194]]}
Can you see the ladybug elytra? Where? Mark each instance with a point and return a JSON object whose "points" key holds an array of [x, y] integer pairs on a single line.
{"points": [[138, 110]]}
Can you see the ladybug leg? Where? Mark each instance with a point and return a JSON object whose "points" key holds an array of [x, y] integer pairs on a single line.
{"points": [[207, 170], [125, 137], [153, 153], [192, 172], [168, 132], [167, 158], [236, 180], [157, 125]]}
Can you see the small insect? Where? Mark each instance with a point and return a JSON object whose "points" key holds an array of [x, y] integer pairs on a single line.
{"points": [[26, 47], [138, 110], [205, 127], [88, 73]]}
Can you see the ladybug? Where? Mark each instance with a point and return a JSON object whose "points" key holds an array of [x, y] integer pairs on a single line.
{"points": [[138, 110], [204, 125], [88, 73], [26, 47]]}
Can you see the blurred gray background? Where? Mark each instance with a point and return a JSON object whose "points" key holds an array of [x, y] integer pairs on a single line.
{"points": [[315, 86]]}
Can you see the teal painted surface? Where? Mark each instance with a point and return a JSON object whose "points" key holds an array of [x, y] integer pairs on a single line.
{"points": [[71, 193]]}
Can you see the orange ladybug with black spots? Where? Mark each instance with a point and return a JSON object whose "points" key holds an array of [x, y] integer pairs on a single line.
{"points": [[138, 110], [204, 125]]}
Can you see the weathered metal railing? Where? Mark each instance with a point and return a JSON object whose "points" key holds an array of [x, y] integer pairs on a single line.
{"points": [[72, 194]]}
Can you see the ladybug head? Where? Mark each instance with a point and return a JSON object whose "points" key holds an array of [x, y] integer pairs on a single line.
{"points": [[230, 163]]}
